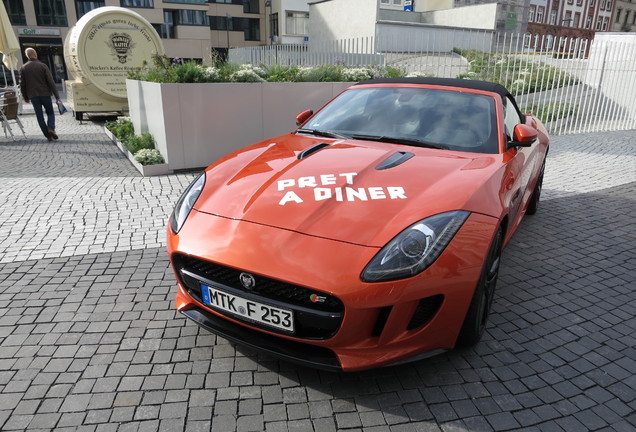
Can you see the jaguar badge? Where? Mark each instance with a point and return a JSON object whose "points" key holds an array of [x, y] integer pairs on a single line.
{"points": [[247, 280]]}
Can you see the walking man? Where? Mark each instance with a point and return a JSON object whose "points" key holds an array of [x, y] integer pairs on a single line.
{"points": [[36, 83]]}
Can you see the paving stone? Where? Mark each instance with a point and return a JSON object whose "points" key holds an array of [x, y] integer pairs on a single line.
{"points": [[89, 339]]}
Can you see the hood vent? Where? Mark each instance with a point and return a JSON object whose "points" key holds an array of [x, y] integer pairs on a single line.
{"points": [[394, 160], [311, 150]]}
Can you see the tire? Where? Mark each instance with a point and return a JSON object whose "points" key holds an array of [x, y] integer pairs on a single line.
{"points": [[533, 205], [479, 310]]}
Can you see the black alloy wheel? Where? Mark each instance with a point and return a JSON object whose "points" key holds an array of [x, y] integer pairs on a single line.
{"points": [[479, 310], [533, 205]]}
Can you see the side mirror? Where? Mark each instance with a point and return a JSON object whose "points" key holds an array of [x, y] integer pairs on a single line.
{"points": [[524, 136], [303, 116]]}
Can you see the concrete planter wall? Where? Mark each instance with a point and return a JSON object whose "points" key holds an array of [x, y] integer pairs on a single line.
{"points": [[196, 124]]}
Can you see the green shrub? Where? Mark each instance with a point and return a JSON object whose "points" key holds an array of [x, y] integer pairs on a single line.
{"points": [[326, 73], [149, 157], [393, 72], [136, 142], [122, 128], [278, 73], [553, 111], [517, 75], [124, 131], [189, 72], [163, 70]]}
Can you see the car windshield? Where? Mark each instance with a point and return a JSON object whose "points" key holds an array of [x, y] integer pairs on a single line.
{"points": [[413, 116]]}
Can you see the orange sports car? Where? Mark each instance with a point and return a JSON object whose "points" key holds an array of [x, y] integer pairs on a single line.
{"points": [[370, 235]]}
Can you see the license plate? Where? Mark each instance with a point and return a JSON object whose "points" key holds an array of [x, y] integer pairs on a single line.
{"points": [[251, 310]]}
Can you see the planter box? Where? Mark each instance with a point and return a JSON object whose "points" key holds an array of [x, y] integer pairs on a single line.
{"points": [[145, 170], [196, 124]]}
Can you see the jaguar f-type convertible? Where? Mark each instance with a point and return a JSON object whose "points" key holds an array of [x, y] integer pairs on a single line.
{"points": [[371, 234]]}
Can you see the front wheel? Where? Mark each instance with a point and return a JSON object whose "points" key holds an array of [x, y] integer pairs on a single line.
{"points": [[533, 205], [479, 310]]}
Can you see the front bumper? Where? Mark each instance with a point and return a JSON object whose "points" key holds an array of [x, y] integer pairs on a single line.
{"points": [[380, 323]]}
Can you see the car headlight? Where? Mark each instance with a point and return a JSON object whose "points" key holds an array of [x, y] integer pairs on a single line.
{"points": [[185, 203], [415, 248]]}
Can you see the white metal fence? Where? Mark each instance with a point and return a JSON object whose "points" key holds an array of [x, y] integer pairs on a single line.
{"points": [[573, 85]]}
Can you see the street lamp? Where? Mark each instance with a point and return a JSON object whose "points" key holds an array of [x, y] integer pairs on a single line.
{"points": [[268, 4]]}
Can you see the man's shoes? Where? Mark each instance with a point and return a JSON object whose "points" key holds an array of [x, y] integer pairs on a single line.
{"points": [[50, 138], [52, 134]]}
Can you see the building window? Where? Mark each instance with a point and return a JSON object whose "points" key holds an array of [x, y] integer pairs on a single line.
{"points": [[618, 14], [577, 19], [553, 17], [598, 25], [50, 13], [579, 2], [83, 6], [249, 26], [531, 13], [567, 22], [251, 6], [15, 10], [191, 17], [137, 3], [167, 28], [605, 20], [540, 13], [296, 23], [221, 23], [386, 2], [199, 2], [588, 22], [591, 3]]}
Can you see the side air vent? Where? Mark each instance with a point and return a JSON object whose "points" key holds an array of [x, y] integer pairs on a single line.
{"points": [[426, 310], [394, 160], [311, 150], [383, 316]]}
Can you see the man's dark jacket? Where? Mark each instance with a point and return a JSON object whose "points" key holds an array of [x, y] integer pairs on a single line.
{"points": [[36, 80]]}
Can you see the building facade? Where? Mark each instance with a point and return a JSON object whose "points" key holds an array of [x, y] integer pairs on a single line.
{"points": [[512, 15], [184, 26], [189, 29], [624, 19], [554, 19], [288, 21]]}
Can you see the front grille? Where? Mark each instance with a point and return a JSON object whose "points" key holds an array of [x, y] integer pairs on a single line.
{"points": [[426, 309], [314, 319]]}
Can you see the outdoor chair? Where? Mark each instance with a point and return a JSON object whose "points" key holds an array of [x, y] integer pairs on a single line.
{"points": [[9, 113]]}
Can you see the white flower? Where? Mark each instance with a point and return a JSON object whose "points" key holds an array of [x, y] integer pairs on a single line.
{"points": [[357, 74], [211, 73], [149, 157], [246, 75]]}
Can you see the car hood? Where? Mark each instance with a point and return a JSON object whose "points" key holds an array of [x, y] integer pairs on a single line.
{"points": [[338, 192]]}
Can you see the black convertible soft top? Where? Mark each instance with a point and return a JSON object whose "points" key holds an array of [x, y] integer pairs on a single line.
{"points": [[450, 82]]}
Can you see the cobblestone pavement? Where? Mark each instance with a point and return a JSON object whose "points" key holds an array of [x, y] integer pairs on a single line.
{"points": [[89, 339]]}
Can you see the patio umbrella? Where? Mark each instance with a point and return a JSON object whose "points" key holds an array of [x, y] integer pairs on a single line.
{"points": [[8, 42]]}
